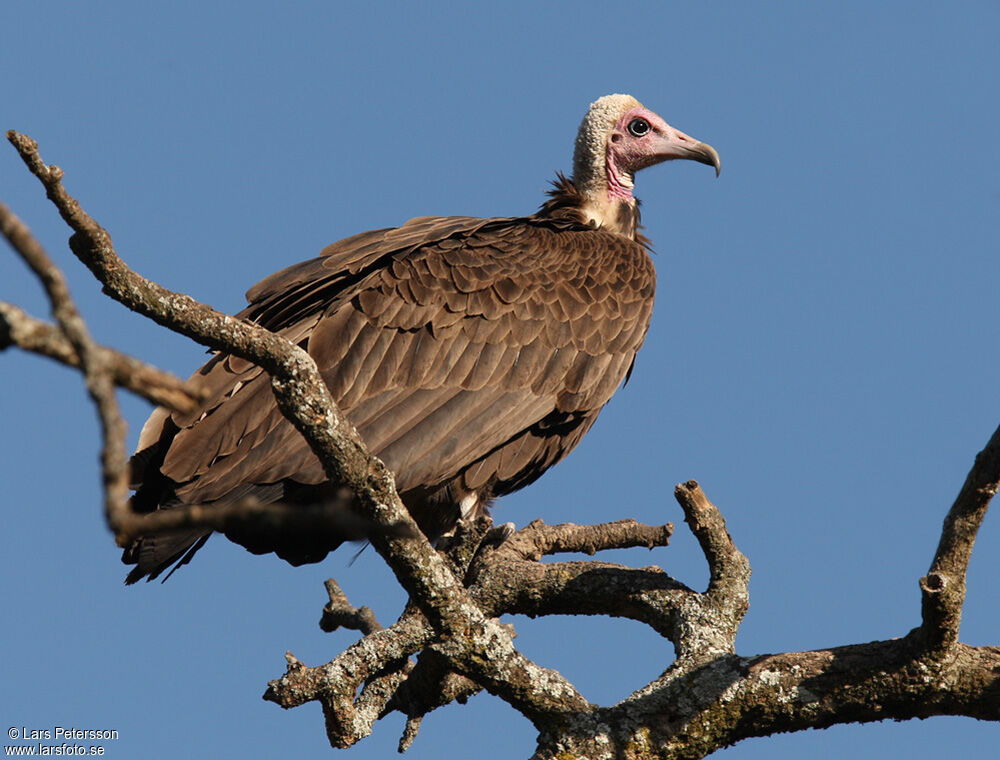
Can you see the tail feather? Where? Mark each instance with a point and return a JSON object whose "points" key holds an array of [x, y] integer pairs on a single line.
{"points": [[151, 555]]}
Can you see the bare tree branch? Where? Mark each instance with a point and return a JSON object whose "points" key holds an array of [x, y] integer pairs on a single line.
{"points": [[708, 698], [537, 539], [24, 331], [392, 688], [698, 710], [509, 579], [340, 613], [714, 619], [943, 588], [252, 518], [480, 646], [93, 362]]}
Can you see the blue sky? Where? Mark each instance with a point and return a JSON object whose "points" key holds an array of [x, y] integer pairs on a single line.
{"points": [[823, 355]]}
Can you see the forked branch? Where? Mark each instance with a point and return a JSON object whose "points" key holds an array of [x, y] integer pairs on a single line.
{"points": [[17, 328], [482, 646], [707, 698]]}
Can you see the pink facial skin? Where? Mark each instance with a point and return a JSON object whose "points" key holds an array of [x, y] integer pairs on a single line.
{"points": [[630, 150]]}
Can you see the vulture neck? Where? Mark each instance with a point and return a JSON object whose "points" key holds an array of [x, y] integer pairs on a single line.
{"points": [[606, 197]]}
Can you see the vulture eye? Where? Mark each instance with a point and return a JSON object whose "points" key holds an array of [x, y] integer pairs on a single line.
{"points": [[638, 127]]}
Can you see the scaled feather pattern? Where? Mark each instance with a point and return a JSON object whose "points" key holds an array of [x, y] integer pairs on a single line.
{"points": [[470, 354]]}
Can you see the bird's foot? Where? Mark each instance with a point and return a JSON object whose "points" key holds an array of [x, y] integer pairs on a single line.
{"points": [[499, 534]]}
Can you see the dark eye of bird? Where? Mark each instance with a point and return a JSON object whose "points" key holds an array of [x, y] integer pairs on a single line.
{"points": [[638, 127]]}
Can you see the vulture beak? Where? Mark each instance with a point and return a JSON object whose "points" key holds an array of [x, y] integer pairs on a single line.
{"points": [[675, 144]]}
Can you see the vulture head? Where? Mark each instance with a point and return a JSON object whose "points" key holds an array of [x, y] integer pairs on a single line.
{"points": [[618, 137]]}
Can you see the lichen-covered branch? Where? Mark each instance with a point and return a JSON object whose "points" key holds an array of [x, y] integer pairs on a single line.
{"points": [[112, 367], [483, 646], [730, 698], [710, 698], [508, 568], [448, 642], [710, 622]]}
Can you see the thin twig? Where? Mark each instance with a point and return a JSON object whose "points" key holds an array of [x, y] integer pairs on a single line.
{"points": [[250, 517], [729, 568], [709, 622], [708, 698], [409, 733], [96, 370], [943, 588], [483, 649], [340, 613], [24, 331], [537, 539]]}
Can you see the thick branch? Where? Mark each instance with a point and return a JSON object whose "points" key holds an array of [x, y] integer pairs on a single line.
{"points": [[390, 689], [508, 579], [647, 595], [707, 699], [305, 400], [731, 698]]}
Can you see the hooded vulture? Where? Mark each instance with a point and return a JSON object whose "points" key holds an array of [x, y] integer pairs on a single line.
{"points": [[470, 354]]}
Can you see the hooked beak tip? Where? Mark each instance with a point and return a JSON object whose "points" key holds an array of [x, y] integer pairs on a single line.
{"points": [[706, 154]]}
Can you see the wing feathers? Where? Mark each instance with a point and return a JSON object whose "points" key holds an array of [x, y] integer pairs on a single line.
{"points": [[448, 342]]}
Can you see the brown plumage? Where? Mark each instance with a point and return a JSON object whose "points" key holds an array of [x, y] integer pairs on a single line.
{"points": [[471, 354]]}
